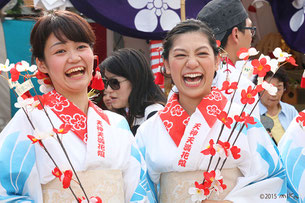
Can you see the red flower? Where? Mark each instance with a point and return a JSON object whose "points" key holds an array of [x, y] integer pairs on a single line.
{"points": [[291, 60], [63, 129], [241, 51], [301, 118], [224, 186], [67, 179], [235, 152], [205, 187], [57, 173], [97, 81], [223, 117], [226, 86], [218, 42], [260, 67], [245, 118], [225, 146], [14, 74], [40, 75], [33, 139], [259, 88], [209, 176], [210, 149], [248, 96]]}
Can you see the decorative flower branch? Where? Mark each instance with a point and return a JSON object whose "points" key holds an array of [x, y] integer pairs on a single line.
{"points": [[223, 148]]}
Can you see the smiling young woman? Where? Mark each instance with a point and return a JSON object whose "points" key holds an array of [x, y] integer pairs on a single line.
{"points": [[179, 143], [100, 147]]}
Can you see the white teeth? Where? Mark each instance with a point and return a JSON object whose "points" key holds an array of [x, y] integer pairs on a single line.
{"points": [[192, 75], [75, 70], [193, 83]]}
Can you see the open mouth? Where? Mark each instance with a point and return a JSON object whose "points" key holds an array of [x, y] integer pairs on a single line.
{"points": [[75, 72], [193, 79]]}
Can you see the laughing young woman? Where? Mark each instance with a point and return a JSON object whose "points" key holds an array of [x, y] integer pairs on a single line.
{"points": [[179, 141], [99, 144]]}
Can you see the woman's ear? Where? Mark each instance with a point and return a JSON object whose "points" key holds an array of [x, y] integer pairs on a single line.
{"points": [[166, 65], [218, 59], [41, 66]]}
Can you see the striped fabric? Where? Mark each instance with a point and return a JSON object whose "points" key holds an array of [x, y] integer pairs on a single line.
{"points": [[157, 61]]}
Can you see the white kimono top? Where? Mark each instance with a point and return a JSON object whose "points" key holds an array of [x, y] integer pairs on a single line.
{"points": [[292, 149], [171, 141], [98, 140]]}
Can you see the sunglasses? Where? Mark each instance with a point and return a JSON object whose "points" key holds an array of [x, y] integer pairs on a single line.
{"points": [[113, 83], [252, 29]]}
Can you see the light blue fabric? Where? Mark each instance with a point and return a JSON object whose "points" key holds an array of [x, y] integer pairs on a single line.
{"points": [[292, 147], [17, 159], [144, 188], [287, 114]]}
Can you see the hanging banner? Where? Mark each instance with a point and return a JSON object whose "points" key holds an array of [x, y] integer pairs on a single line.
{"points": [[289, 17], [146, 19]]}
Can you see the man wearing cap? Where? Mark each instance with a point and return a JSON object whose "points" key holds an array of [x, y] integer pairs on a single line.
{"points": [[233, 28]]}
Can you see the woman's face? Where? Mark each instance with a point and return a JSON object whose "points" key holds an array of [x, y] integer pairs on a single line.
{"points": [[270, 100], [107, 100], [69, 65], [192, 65], [120, 96]]}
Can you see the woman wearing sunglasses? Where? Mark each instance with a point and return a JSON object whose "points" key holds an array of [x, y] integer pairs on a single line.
{"points": [[130, 83]]}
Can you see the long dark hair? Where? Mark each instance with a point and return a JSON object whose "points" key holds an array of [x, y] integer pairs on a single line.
{"points": [[132, 65]]}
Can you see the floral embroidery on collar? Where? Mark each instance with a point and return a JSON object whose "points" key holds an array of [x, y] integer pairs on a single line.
{"points": [[71, 114], [175, 118]]}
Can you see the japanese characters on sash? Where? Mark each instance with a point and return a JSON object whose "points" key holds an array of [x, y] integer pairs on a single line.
{"points": [[60, 146], [202, 147]]}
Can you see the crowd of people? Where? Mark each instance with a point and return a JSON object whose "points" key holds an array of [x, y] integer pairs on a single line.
{"points": [[205, 142]]}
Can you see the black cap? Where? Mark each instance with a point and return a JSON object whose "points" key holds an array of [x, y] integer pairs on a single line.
{"points": [[221, 15]]}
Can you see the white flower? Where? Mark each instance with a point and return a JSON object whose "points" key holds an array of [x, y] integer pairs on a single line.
{"points": [[197, 194], [6, 67], [40, 135], [146, 19], [260, 80], [220, 150], [280, 55], [44, 88], [250, 52], [25, 66], [297, 19], [269, 88], [23, 103], [216, 184]]}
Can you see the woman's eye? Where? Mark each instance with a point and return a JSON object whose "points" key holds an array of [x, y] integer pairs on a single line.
{"points": [[202, 53], [179, 55], [82, 46], [59, 51]]}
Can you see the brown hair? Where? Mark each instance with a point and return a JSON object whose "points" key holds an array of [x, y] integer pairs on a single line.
{"points": [[65, 25]]}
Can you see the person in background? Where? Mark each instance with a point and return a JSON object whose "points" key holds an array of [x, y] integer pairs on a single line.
{"points": [[271, 105], [182, 143], [130, 83], [107, 100], [233, 28], [99, 144]]}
